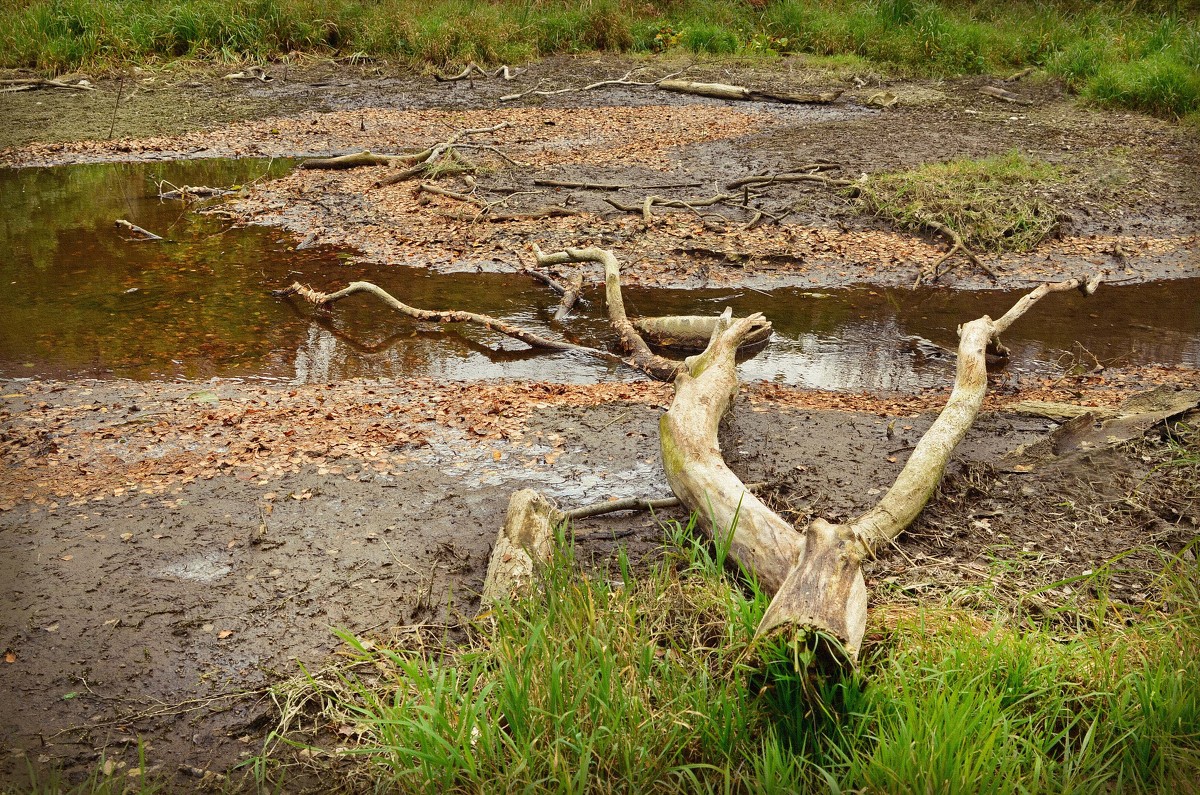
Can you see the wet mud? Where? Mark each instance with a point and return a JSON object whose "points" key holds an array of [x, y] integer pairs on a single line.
{"points": [[170, 546]]}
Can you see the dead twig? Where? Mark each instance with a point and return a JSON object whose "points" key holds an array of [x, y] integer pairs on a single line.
{"points": [[431, 160], [141, 234], [933, 272]]}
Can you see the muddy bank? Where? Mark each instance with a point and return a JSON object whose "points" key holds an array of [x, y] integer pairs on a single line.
{"points": [[170, 550], [1132, 208]]}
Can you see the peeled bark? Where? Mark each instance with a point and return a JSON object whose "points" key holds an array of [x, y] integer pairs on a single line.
{"points": [[816, 576], [525, 542]]}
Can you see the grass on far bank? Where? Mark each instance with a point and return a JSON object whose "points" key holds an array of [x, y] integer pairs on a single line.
{"points": [[991, 203], [653, 684], [1140, 55]]}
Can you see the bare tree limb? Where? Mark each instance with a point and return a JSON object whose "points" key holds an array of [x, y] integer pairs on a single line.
{"points": [[325, 300], [620, 81], [427, 162]]}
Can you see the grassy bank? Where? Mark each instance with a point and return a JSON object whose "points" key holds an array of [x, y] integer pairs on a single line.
{"points": [[1143, 55], [653, 684]]}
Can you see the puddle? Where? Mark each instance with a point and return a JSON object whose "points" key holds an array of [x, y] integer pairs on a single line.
{"points": [[81, 301]]}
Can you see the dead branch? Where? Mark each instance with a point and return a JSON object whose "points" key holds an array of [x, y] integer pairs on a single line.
{"points": [[429, 161], [933, 272], [805, 173], [34, 83], [492, 216], [326, 300], [354, 160], [816, 575], [428, 187], [1018, 75], [473, 68], [692, 332], [631, 341], [558, 183], [620, 81], [1004, 94], [726, 91], [627, 504], [570, 295], [141, 234], [187, 192]]}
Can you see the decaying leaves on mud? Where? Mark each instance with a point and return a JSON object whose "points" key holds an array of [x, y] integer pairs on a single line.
{"points": [[814, 573]]}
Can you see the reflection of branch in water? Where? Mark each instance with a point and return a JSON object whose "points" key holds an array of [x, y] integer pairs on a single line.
{"points": [[359, 346]]}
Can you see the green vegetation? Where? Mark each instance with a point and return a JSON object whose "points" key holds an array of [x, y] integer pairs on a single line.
{"points": [[991, 203], [652, 683], [1143, 55]]}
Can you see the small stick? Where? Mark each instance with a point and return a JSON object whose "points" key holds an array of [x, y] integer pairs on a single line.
{"points": [[117, 104], [135, 229]]}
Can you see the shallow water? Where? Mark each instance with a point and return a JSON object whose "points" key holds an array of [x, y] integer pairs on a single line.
{"points": [[81, 300]]}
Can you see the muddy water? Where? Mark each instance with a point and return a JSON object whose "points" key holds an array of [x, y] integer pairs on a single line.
{"points": [[81, 300]]}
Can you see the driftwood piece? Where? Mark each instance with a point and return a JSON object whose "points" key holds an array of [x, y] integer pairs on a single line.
{"points": [[430, 160], [187, 192], [137, 231], [932, 273], [33, 83], [815, 576], [809, 172], [620, 81], [726, 91], [1003, 94], [325, 300], [570, 295], [563, 183]]}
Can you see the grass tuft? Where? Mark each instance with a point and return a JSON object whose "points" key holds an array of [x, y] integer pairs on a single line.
{"points": [[1144, 55], [992, 203], [654, 683]]}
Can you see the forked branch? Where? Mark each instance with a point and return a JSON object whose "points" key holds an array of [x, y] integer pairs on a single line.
{"points": [[815, 575]]}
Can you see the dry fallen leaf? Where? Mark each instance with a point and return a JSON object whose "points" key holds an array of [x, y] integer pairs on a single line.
{"points": [[225, 633], [67, 557], [126, 536], [10, 657]]}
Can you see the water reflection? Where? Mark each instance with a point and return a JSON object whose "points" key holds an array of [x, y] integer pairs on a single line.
{"points": [[83, 301]]}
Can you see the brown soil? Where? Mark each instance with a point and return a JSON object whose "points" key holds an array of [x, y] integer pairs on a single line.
{"points": [[1129, 193], [167, 551]]}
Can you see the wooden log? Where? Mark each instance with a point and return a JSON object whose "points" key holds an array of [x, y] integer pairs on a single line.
{"points": [[353, 160]]}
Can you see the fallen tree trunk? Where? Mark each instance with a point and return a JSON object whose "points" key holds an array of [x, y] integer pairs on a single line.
{"points": [[815, 576]]}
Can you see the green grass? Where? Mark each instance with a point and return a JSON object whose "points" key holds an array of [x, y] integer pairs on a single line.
{"points": [[653, 684], [1142, 55], [992, 203]]}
